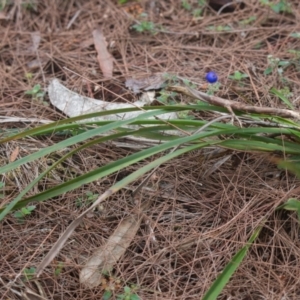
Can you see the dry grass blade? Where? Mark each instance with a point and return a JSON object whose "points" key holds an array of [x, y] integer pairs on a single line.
{"points": [[104, 259], [104, 57]]}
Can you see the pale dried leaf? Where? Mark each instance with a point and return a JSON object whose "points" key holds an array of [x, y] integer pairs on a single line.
{"points": [[106, 257], [153, 82], [14, 154], [104, 57], [73, 104]]}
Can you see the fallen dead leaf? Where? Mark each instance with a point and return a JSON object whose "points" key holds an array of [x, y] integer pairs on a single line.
{"points": [[153, 82], [106, 256], [104, 57]]}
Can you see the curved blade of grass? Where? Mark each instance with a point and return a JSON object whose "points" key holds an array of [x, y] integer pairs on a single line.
{"points": [[289, 164], [98, 174], [16, 204], [219, 284], [52, 126], [292, 204], [75, 139], [282, 97], [45, 128], [106, 170], [256, 145]]}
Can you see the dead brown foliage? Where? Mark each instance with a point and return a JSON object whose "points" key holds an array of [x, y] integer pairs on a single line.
{"points": [[197, 221]]}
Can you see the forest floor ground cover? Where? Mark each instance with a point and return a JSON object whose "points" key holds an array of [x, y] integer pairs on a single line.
{"points": [[201, 214]]}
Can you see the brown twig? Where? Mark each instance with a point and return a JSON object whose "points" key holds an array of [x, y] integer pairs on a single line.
{"points": [[231, 105]]}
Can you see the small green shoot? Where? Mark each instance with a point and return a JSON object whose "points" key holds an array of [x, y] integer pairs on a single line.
{"points": [[213, 88], [283, 95], [195, 8], [292, 204], [58, 269], [295, 52], [275, 64], [186, 5], [28, 76], [29, 273], [129, 294], [88, 199], [280, 7], [167, 97], [107, 295], [24, 211], [238, 76], [145, 25], [248, 20], [37, 94], [188, 83]]}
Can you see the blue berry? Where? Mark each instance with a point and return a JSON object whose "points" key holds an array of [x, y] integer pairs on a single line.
{"points": [[211, 77]]}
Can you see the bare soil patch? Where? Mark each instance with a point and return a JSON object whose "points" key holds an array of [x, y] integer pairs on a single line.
{"points": [[197, 220]]}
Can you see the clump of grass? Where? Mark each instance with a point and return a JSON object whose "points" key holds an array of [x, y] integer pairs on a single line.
{"points": [[202, 134]]}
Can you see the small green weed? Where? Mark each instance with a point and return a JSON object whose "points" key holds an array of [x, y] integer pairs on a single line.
{"points": [[129, 294], [145, 25], [196, 9], [167, 97], [213, 88], [186, 5], [24, 211], [292, 204], [88, 199], [29, 273], [58, 269], [277, 65], [110, 284], [295, 52], [284, 95], [280, 7], [248, 20], [188, 83], [37, 93], [238, 76], [28, 76]]}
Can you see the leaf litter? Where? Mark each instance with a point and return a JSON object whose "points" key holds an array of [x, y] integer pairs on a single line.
{"points": [[214, 217]]}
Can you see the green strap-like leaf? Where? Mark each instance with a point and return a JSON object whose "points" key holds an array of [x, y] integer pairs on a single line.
{"points": [[221, 281]]}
